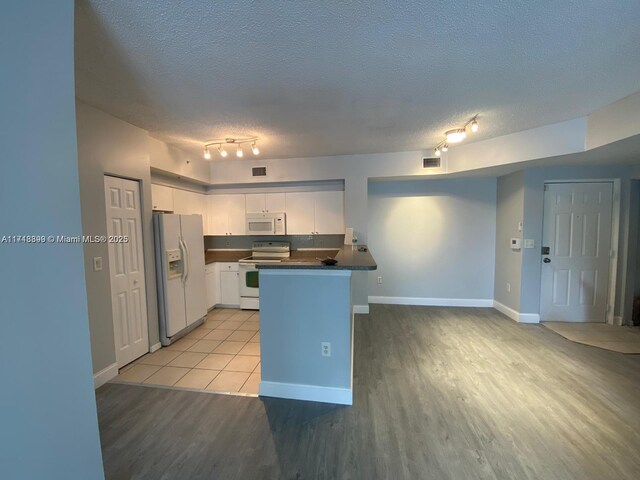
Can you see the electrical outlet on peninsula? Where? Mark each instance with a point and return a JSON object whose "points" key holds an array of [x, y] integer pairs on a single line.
{"points": [[325, 349]]}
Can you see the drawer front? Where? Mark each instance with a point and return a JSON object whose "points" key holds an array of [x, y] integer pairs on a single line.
{"points": [[229, 266]]}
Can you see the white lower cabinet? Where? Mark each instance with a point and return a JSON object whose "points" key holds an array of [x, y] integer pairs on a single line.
{"points": [[229, 283], [230, 288], [212, 280], [223, 284]]}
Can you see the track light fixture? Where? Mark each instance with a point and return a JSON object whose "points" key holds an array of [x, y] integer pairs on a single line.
{"points": [[457, 135], [219, 145]]}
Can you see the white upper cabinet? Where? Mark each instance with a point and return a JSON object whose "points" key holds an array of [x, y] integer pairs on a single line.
{"points": [[237, 219], [218, 217], [315, 213], [275, 202], [265, 202], [300, 208], [190, 203], [329, 212], [255, 203], [162, 198], [226, 214]]}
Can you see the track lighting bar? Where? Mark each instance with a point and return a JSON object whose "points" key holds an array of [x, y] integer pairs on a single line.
{"points": [[457, 135], [219, 145]]}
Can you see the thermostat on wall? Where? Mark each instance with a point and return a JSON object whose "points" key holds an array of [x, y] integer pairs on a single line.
{"points": [[516, 243]]}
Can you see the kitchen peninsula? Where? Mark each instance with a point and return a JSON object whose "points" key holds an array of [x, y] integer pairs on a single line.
{"points": [[306, 327]]}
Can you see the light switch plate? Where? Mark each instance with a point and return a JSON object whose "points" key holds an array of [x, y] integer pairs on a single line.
{"points": [[97, 264], [529, 243]]}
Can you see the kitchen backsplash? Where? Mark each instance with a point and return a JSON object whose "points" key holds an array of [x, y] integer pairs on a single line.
{"points": [[297, 241]]}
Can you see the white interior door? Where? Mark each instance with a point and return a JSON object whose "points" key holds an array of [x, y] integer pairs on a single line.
{"points": [[577, 232], [126, 267]]}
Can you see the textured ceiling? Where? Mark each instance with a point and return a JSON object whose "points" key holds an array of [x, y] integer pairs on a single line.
{"points": [[327, 78]]}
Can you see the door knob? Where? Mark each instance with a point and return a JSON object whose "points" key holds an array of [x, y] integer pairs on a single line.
{"points": [[547, 260]]}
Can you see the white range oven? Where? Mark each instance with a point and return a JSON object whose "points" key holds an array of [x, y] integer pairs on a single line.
{"points": [[262, 252]]}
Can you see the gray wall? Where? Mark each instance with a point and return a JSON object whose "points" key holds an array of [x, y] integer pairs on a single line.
{"points": [[433, 238], [508, 266], [47, 404], [107, 145]]}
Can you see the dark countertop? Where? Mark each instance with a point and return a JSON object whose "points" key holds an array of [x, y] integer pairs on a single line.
{"points": [[211, 256], [349, 258]]}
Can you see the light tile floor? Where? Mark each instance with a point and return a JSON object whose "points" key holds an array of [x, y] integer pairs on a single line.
{"points": [[222, 355], [617, 339]]}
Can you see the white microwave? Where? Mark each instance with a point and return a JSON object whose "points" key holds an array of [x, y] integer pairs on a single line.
{"points": [[266, 224]]}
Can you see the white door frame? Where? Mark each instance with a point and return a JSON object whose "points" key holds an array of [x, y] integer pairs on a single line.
{"points": [[139, 181], [615, 236]]}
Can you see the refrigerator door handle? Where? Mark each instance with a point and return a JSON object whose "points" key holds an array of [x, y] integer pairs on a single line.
{"points": [[185, 260], [188, 259]]}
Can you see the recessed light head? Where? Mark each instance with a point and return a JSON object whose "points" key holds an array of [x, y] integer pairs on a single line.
{"points": [[255, 149], [445, 147], [474, 125], [222, 151], [437, 151], [207, 153], [456, 135], [239, 152]]}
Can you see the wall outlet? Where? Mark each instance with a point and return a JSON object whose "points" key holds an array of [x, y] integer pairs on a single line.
{"points": [[325, 349], [380, 280], [508, 287], [97, 264], [529, 243], [228, 243], [520, 226]]}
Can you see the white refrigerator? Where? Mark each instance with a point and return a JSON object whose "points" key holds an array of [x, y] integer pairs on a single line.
{"points": [[182, 296]]}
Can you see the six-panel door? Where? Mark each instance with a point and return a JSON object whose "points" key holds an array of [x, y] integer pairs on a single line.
{"points": [[577, 231]]}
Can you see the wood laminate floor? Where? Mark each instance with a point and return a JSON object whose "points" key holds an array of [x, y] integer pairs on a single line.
{"points": [[439, 393]]}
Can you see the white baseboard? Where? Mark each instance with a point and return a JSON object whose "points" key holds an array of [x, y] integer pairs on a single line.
{"points": [[514, 315], [155, 347], [529, 318], [313, 393], [361, 309], [435, 302], [104, 375]]}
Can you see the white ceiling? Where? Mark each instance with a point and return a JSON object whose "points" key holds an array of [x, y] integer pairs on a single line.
{"points": [[328, 78]]}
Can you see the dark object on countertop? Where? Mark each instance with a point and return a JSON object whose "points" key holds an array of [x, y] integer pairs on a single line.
{"points": [[329, 261], [362, 249]]}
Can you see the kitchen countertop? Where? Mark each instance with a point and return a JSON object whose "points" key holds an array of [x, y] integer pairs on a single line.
{"points": [[211, 256], [348, 257]]}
